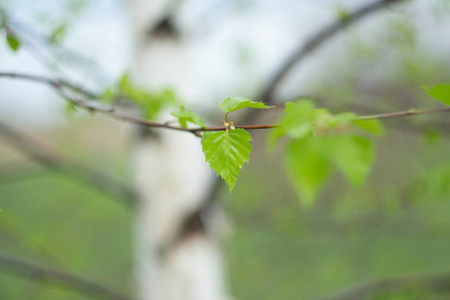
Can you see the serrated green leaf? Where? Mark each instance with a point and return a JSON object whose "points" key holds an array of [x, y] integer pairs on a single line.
{"points": [[297, 121], [13, 42], [440, 92], [308, 167], [188, 116], [234, 103], [371, 126], [226, 152], [353, 155], [205, 135]]}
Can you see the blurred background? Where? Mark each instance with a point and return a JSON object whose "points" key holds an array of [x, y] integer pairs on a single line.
{"points": [[396, 225]]}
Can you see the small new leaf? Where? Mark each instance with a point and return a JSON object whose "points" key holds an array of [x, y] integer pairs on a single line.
{"points": [[353, 155], [440, 92], [370, 126], [297, 121], [226, 152], [58, 33], [13, 42], [234, 103], [308, 165], [188, 116]]}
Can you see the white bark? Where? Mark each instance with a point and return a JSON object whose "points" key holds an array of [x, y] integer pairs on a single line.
{"points": [[171, 179]]}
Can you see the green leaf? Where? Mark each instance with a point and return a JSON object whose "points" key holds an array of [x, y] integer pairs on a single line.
{"points": [[58, 33], [344, 118], [125, 85], [188, 116], [440, 92], [353, 156], [308, 167], [232, 104], [371, 126], [310, 161], [151, 103], [108, 96], [76, 6], [205, 135], [297, 121], [226, 152], [342, 14], [13, 42]]}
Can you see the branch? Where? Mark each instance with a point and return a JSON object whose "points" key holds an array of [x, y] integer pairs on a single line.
{"points": [[112, 112], [96, 179], [317, 40], [43, 274], [406, 113], [14, 171], [434, 283], [51, 82]]}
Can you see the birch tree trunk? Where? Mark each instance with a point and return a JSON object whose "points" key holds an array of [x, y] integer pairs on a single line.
{"points": [[171, 176]]}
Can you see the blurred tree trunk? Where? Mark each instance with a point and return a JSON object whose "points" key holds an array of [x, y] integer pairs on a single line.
{"points": [[171, 177]]}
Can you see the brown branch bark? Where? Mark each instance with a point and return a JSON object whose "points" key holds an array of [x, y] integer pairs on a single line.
{"points": [[48, 275], [74, 170], [434, 283]]}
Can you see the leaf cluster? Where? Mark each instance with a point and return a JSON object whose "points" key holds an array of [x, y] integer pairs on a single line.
{"points": [[320, 142], [151, 103]]}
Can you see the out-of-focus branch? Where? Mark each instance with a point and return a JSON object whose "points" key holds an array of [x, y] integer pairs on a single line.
{"points": [[51, 82], [315, 41], [48, 275], [15, 171], [89, 176], [434, 283]]}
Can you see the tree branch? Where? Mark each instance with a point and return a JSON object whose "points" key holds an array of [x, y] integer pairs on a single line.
{"points": [[51, 82], [43, 274], [92, 177], [112, 112], [14, 171], [435, 283], [317, 40]]}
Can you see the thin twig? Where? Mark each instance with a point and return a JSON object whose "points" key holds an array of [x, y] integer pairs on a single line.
{"points": [[433, 283], [411, 112], [49, 81], [48, 275], [37, 152], [112, 112]]}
